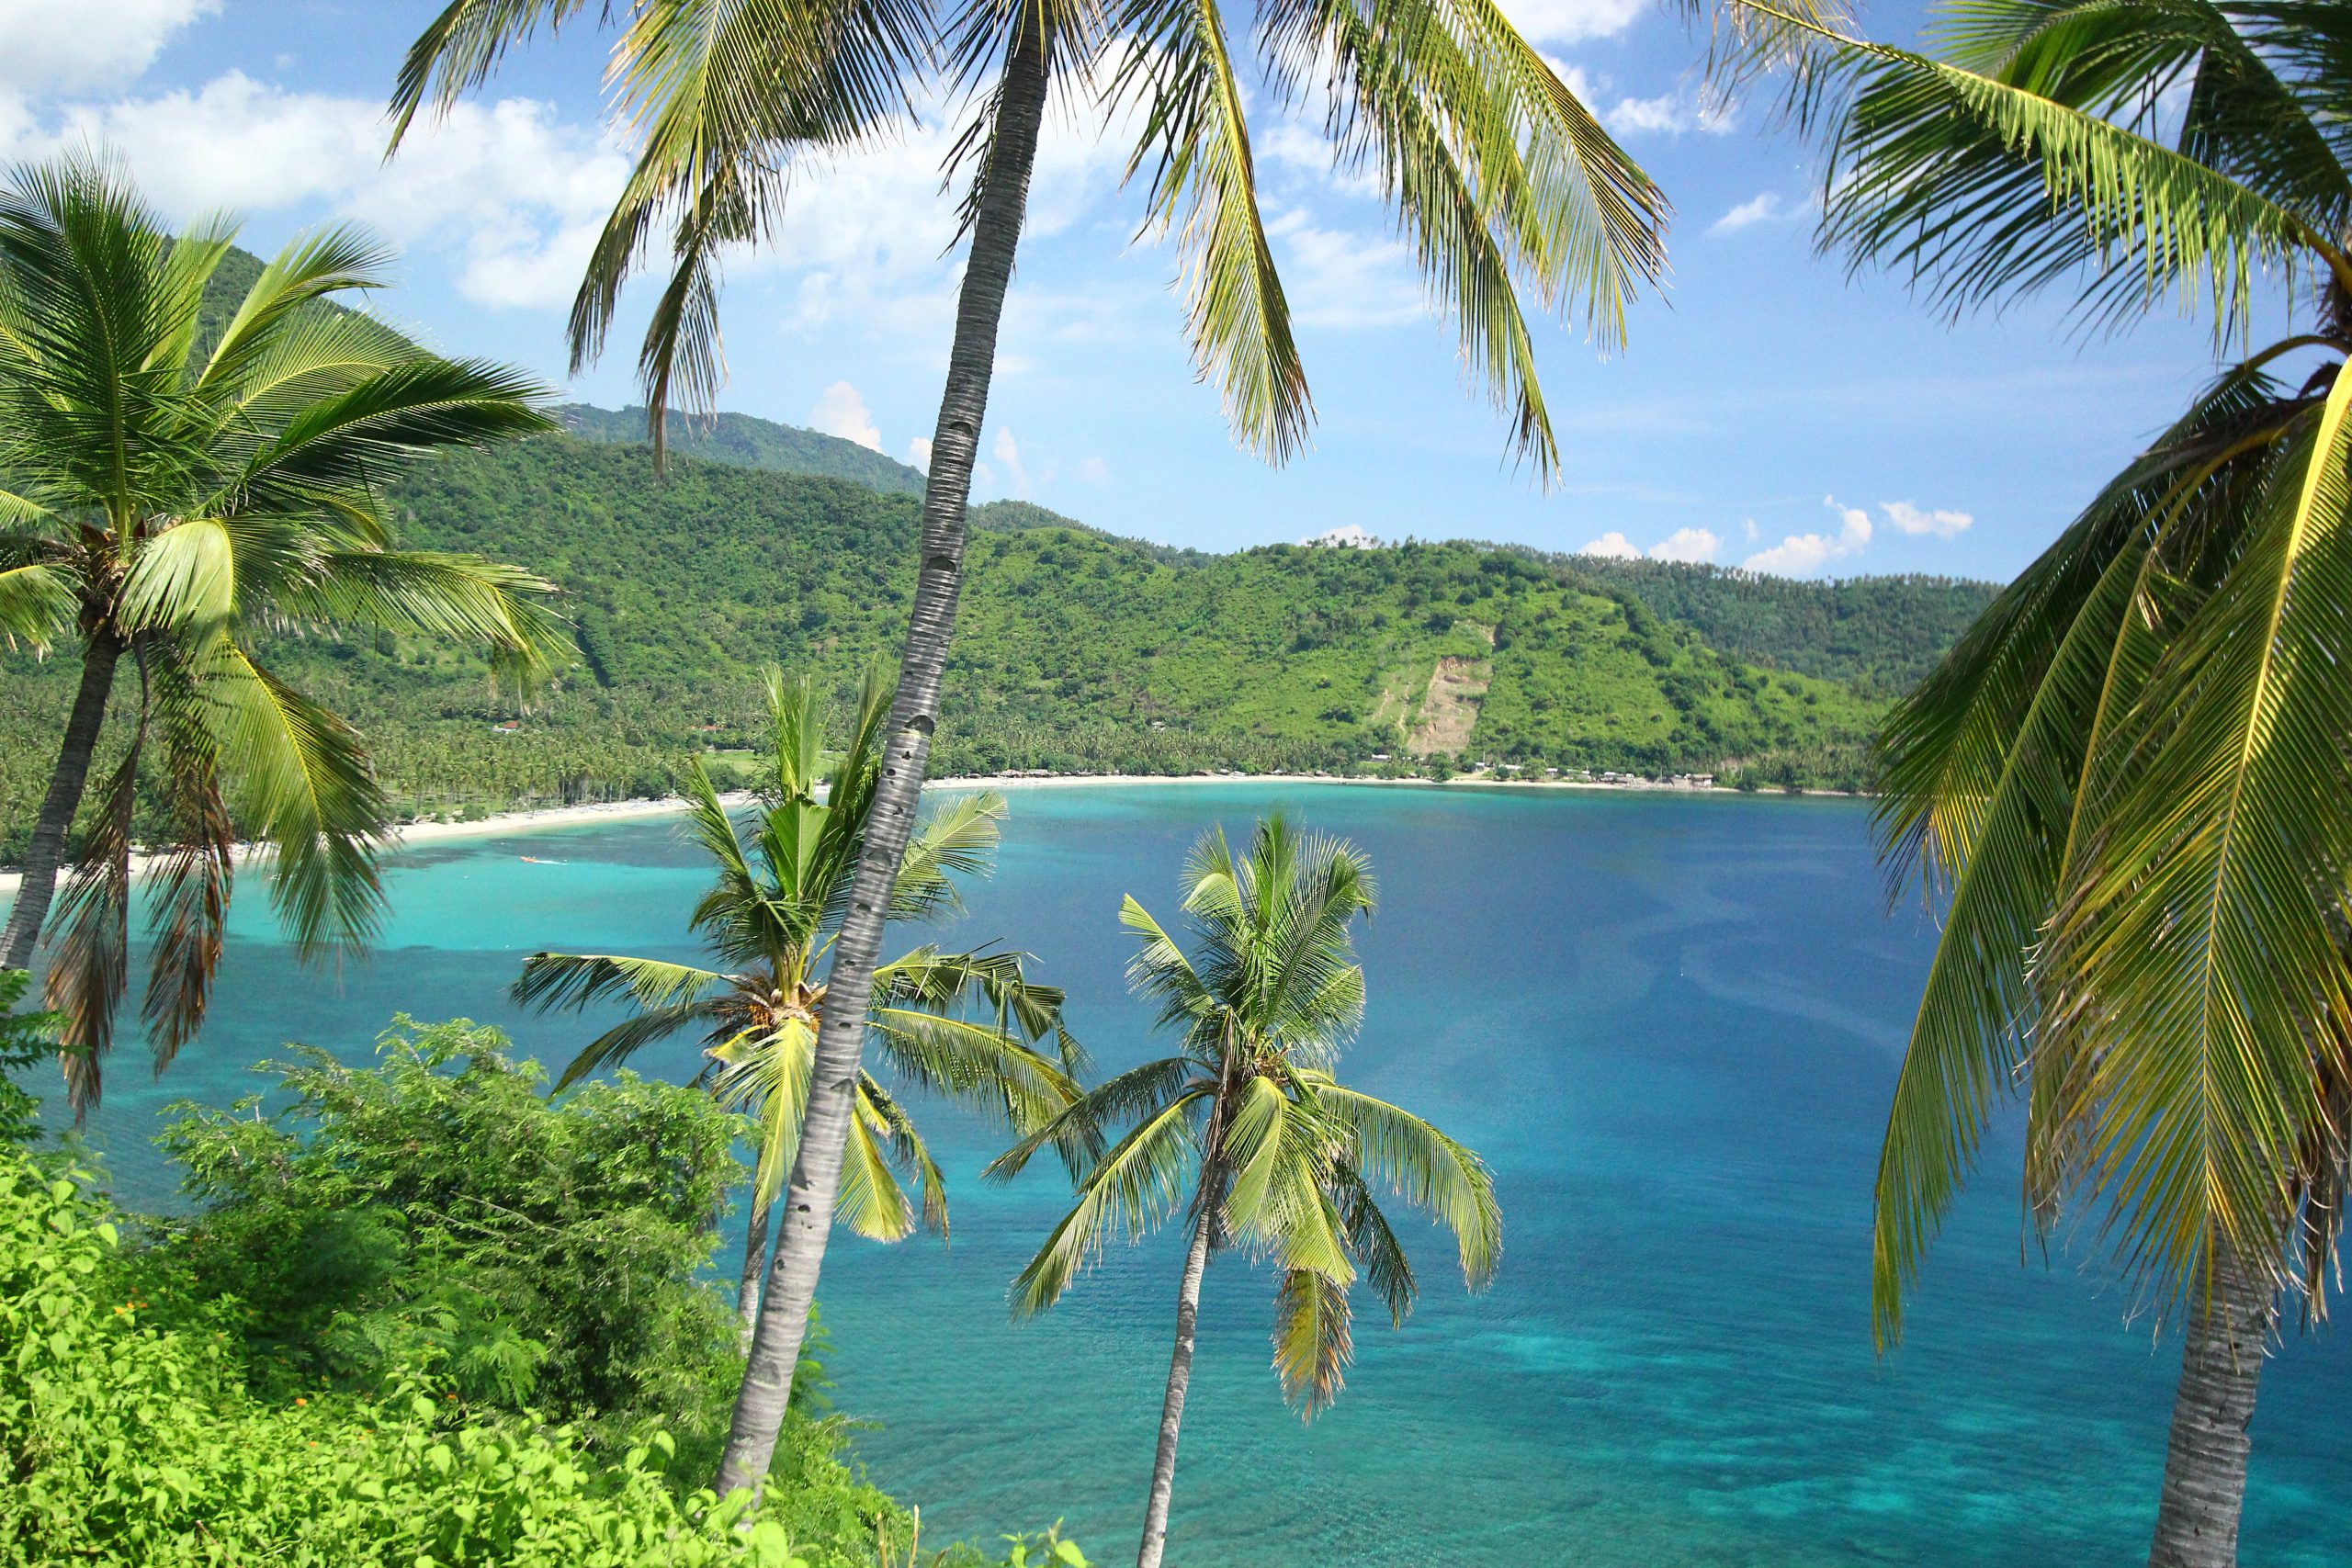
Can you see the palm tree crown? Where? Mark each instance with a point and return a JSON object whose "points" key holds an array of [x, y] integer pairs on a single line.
{"points": [[2127, 780], [1504, 180], [771, 916], [176, 489], [1279, 1157]]}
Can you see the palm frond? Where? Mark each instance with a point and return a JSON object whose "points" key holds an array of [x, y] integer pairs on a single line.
{"points": [[1140, 1183], [2188, 961], [1205, 190]]}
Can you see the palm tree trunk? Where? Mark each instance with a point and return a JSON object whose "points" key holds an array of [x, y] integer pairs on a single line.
{"points": [[755, 1268], [2220, 1369], [807, 1218], [1171, 1406], [45, 856]]}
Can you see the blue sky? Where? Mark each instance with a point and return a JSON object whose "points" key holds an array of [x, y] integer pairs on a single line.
{"points": [[1768, 408]]}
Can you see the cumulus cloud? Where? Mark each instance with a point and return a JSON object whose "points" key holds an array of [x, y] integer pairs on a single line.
{"points": [[1006, 450], [1669, 114], [918, 452], [1335, 278], [1910, 519], [516, 192], [1763, 207], [1687, 544], [843, 412], [47, 48], [1569, 21], [1613, 543], [1801, 554]]}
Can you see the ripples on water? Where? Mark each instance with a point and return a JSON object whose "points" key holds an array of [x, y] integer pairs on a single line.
{"points": [[1671, 1024]]}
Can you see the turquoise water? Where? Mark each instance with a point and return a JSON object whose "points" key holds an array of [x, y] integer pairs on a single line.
{"points": [[1670, 1023]]}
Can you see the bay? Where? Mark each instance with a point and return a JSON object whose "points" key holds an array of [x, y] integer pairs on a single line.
{"points": [[1671, 1024]]}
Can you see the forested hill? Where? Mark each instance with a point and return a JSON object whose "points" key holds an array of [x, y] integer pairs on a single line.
{"points": [[1884, 633], [748, 443], [1076, 650]]}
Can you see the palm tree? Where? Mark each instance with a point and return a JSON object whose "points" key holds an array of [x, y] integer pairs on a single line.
{"points": [[776, 906], [1503, 179], [1283, 1159], [2127, 785], [175, 486]]}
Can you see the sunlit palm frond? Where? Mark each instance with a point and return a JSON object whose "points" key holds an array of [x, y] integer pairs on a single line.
{"points": [[1393, 1147], [957, 839], [502, 609], [36, 603], [2189, 957], [1140, 1183], [1136, 1095], [299, 779], [461, 47], [1204, 190], [870, 1200], [1981, 190]]}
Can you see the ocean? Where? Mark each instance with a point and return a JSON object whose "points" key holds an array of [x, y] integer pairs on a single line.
{"points": [[1671, 1023]]}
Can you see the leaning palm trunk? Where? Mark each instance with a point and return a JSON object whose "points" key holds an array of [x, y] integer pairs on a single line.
{"points": [[1172, 1407], [807, 1218], [2220, 1369], [755, 1268], [45, 856]]}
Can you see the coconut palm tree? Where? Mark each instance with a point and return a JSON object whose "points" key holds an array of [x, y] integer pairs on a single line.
{"points": [[1501, 177], [776, 906], [2127, 787], [1280, 1158], [175, 486]]}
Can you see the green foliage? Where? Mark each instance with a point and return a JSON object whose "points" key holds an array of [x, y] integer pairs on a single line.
{"points": [[1882, 634], [748, 443], [1076, 651], [439, 1209], [130, 1438], [150, 1417], [26, 1039]]}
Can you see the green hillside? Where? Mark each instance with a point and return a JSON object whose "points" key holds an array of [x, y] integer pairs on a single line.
{"points": [[749, 443], [1076, 650], [1884, 633]]}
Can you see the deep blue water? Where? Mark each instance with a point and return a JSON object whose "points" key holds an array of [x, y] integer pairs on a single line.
{"points": [[1671, 1024]]}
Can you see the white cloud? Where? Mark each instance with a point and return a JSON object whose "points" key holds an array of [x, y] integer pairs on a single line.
{"points": [[1669, 114], [1910, 519], [1006, 450], [1093, 471], [918, 452], [516, 191], [1748, 528], [843, 412], [1613, 543], [1344, 280], [1566, 21], [1687, 544], [1799, 554], [1764, 208], [47, 47]]}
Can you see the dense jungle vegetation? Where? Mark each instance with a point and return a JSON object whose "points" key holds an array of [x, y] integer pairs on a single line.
{"points": [[1077, 651], [423, 1313]]}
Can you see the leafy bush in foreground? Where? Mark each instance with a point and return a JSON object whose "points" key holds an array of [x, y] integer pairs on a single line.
{"points": [[149, 1418]]}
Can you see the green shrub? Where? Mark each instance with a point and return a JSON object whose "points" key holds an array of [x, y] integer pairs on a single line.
{"points": [[546, 1251]]}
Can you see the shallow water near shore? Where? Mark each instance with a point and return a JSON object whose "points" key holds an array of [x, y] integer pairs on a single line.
{"points": [[1670, 1023]]}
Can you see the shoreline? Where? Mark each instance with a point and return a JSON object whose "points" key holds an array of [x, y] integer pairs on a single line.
{"points": [[534, 820]]}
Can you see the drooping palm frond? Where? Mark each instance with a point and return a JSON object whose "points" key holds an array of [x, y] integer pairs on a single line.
{"points": [[2189, 957], [1179, 73], [1391, 1147], [1983, 188], [1140, 1183]]}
